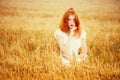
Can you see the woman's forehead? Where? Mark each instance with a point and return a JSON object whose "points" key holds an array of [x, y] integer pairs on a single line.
{"points": [[71, 16]]}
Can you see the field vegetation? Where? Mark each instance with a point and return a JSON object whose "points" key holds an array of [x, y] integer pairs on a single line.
{"points": [[29, 51]]}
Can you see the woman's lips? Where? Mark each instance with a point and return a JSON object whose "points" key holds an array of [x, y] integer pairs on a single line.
{"points": [[71, 25]]}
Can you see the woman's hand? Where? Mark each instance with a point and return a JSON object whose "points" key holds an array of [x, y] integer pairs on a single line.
{"points": [[72, 30], [67, 56]]}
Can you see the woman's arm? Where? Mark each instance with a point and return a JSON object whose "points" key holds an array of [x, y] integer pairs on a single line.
{"points": [[84, 46], [65, 48], [83, 55]]}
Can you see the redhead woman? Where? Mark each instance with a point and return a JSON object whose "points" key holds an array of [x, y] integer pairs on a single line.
{"points": [[71, 37]]}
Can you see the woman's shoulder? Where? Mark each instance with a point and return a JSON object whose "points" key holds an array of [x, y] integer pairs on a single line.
{"points": [[83, 34], [58, 33]]}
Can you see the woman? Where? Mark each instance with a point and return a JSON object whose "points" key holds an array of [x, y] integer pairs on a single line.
{"points": [[71, 38]]}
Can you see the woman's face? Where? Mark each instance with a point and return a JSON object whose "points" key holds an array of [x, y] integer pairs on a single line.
{"points": [[71, 21]]}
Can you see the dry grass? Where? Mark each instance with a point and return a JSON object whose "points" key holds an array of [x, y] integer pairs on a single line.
{"points": [[29, 51]]}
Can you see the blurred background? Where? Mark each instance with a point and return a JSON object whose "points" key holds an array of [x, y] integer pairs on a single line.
{"points": [[29, 51]]}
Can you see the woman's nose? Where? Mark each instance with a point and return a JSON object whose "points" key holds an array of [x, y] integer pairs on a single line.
{"points": [[72, 21]]}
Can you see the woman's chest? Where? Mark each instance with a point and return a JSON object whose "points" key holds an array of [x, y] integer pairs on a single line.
{"points": [[75, 43]]}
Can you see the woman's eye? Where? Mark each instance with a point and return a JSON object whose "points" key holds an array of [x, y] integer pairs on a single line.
{"points": [[69, 19]]}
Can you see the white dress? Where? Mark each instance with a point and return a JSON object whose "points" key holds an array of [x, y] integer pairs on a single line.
{"points": [[74, 47]]}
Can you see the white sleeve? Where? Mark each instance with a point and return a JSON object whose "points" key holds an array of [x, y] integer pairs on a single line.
{"points": [[83, 35], [55, 34], [58, 33]]}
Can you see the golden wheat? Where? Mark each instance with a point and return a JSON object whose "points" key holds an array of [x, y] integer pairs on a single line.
{"points": [[29, 51]]}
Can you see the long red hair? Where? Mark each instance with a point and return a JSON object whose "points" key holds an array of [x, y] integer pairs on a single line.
{"points": [[64, 22]]}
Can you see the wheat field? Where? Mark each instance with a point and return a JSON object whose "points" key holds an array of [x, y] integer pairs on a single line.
{"points": [[29, 51]]}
